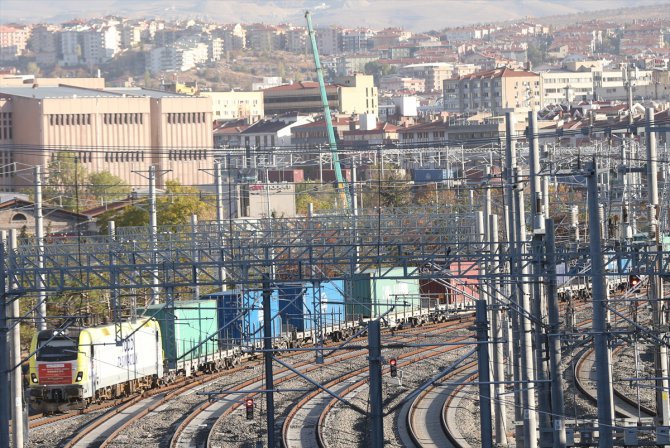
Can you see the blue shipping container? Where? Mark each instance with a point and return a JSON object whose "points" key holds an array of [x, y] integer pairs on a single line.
{"points": [[240, 316], [425, 175], [297, 302], [618, 265]]}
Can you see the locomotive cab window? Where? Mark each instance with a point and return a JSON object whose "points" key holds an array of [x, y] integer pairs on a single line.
{"points": [[57, 349]]}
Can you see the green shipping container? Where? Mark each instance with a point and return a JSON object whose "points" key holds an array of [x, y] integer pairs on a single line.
{"points": [[375, 291], [189, 331], [666, 243]]}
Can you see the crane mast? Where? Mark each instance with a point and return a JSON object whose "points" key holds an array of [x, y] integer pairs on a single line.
{"points": [[326, 115]]}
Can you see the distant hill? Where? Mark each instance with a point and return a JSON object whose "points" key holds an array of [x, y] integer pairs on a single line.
{"points": [[417, 15], [619, 16]]}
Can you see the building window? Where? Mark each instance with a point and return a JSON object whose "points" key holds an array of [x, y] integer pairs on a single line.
{"points": [[19, 217]]}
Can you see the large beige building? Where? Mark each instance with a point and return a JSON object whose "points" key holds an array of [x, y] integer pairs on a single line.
{"points": [[123, 131], [354, 94], [493, 90]]}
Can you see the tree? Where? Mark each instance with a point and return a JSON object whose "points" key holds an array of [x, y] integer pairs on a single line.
{"points": [[535, 55], [322, 197], [378, 70], [174, 208], [179, 203], [106, 187], [391, 191], [132, 216], [65, 178], [33, 69]]}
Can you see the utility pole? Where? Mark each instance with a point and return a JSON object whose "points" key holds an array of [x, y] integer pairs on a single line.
{"points": [[484, 378], [655, 280], [628, 82], [4, 353], [114, 277], [153, 230], [521, 294], [267, 356], [41, 322], [539, 301], [153, 234], [320, 165], [510, 164], [554, 338], [218, 180], [375, 367], [525, 324], [196, 255], [17, 399], [599, 327], [481, 229], [497, 333]]}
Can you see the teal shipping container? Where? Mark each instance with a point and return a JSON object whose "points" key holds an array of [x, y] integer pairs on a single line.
{"points": [[666, 243], [189, 331], [376, 291]]}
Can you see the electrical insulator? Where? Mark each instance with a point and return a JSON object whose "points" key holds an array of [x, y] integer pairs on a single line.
{"points": [[250, 408], [393, 363], [574, 216]]}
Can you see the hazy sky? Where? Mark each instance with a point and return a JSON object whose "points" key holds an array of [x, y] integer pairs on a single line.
{"points": [[414, 15]]}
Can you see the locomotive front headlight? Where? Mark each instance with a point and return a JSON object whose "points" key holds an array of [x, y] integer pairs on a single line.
{"points": [[80, 375], [33, 378]]}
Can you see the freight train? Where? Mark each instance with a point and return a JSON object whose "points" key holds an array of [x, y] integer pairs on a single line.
{"points": [[71, 368]]}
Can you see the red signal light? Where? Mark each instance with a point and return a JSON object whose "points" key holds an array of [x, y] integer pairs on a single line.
{"points": [[250, 408], [633, 280], [393, 363]]}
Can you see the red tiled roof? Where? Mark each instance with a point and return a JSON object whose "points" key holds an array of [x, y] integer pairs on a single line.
{"points": [[297, 86], [119, 205]]}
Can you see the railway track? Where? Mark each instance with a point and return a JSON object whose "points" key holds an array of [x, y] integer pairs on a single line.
{"points": [[195, 429], [431, 420], [305, 424], [103, 429], [38, 420], [585, 381], [425, 421], [192, 431]]}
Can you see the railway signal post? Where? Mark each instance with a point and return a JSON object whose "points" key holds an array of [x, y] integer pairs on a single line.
{"points": [[267, 355], [249, 403], [375, 363]]}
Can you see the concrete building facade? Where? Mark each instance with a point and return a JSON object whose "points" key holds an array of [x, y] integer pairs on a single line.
{"points": [[120, 131], [236, 105], [349, 95], [493, 90]]}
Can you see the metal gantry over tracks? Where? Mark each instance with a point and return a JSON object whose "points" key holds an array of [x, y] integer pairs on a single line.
{"points": [[180, 260]]}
